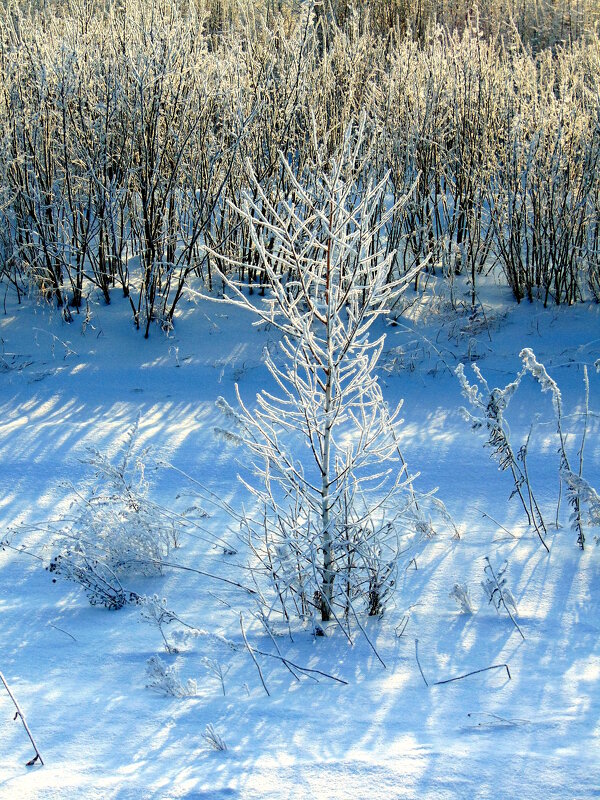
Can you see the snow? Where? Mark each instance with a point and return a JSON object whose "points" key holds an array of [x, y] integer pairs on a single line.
{"points": [[78, 671]]}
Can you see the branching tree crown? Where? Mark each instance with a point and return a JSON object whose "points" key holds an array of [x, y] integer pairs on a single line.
{"points": [[329, 534]]}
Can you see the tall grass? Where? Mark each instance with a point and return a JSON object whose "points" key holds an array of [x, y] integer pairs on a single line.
{"points": [[129, 131]]}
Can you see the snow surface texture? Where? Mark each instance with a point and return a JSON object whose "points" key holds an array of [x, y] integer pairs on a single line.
{"points": [[80, 672]]}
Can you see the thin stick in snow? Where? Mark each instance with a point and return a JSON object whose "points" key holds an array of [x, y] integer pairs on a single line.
{"points": [[172, 565], [253, 657], [56, 628], [475, 672], [364, 633], [458, 677], [418, 662], [495, 521], [19, 713], [306, 670]]}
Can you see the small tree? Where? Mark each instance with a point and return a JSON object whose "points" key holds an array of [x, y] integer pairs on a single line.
{"points": [[329, 533]]}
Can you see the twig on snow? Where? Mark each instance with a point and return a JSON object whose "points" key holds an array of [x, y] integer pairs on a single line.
{"points": [[306, 670], [458, 677], [418, 662], [253, 657], [56, 628], [475, 672], [19, 713]]}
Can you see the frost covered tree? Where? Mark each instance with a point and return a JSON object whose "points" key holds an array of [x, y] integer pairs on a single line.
{"points": [[324, 441]]}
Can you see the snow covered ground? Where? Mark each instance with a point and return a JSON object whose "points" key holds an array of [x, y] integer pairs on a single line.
{"points": [[79, 672]]}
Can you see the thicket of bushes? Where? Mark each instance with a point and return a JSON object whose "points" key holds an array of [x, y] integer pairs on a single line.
{"points": [[129, 134]]}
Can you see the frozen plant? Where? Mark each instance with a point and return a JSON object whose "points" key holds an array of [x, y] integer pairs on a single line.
{"points": [[115, 529], [217, 671], [547, 384], [579, 490], [154, 611], [586, 494], [213, 739], [328, 536], [488, 409], [489, 406], [101, 585], [165, 680], [460, 593], [498, 593]]}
